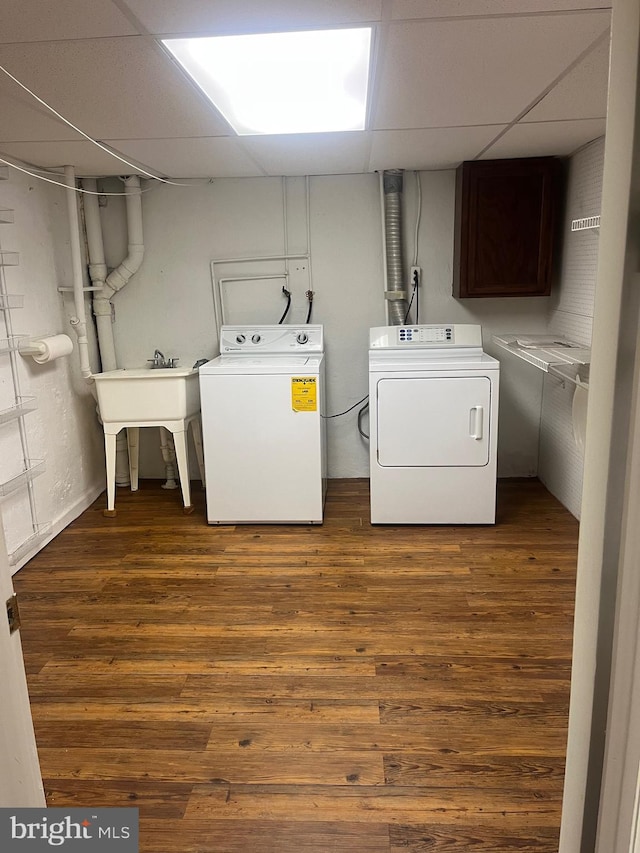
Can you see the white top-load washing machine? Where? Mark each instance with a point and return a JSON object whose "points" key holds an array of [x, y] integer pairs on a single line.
{"points": [[262, 401], [433, 398]]}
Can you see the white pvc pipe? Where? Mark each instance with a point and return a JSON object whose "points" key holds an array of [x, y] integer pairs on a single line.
{"points": [[253, 259], [97, 264], [79, 320], [169, 458], [117, 278], [102, 309], [104, 326], [115, 281], [98, 274], [217, 311], [111, 284]]}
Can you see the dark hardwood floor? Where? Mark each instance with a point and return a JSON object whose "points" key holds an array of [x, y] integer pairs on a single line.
{"points": [[333, 689]]}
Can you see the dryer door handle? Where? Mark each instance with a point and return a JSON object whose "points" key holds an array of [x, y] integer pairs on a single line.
{"points": [[476, 422]]}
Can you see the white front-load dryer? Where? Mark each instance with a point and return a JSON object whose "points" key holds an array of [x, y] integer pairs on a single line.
{"points": [[433, 399], [262, 402]]}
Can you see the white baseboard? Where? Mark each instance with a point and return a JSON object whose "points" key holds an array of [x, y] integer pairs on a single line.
{"points": [[58, 525]]}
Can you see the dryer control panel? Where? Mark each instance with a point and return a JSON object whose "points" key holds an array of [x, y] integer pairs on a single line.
{"points": [[426, 336]]}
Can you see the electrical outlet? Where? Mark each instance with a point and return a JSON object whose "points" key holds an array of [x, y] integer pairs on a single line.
{"points": [[415, 277]]}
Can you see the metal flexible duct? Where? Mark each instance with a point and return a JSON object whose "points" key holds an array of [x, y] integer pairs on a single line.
{"points": [[392, 185]]}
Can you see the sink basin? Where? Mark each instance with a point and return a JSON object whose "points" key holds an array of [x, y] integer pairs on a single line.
{"points": [[147, 395]]}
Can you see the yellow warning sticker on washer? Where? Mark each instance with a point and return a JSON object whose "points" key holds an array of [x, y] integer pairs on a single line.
{"points": [[304, 393]]}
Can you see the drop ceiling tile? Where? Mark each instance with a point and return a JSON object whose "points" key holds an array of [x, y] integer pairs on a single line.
{"points": [[310, 154], [24, 119], [114, 88], [466, 8], [216, 16], [35, 20], [436, 148], [475, 72], [545, 138], [86, 157], [214, 157], [581, 94]]}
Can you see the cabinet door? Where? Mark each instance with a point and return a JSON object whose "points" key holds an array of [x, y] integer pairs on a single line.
{"points": [[505, 222]]}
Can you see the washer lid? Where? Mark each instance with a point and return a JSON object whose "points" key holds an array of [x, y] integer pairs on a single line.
{"points": [[265, 364]]}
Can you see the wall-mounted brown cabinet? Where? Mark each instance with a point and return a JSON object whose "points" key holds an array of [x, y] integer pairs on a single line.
{"points": [[506, 213]]}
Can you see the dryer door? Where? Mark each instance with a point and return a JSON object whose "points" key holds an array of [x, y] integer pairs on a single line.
{"points": [[433, 422]]}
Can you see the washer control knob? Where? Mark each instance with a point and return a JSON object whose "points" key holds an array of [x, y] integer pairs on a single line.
{"points": [[256, 338], [302, 337], [240, 339]]}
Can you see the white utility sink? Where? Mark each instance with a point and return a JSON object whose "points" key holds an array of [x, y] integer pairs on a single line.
{"points": [[147, 395], [131, 398]]}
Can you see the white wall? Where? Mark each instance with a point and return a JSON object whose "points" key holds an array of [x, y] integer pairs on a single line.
{"points": [[64, 430], [168, 303], [571, 315]]}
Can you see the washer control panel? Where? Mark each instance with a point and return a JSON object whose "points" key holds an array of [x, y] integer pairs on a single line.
{"points": [[426, 336], [271, 339]]}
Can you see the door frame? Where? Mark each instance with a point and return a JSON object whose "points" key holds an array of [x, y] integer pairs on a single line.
{"points": [[603, 745], [20, 777]]}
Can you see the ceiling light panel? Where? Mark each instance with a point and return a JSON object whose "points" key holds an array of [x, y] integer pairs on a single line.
{"points": [[170, 19], [281, 83]]}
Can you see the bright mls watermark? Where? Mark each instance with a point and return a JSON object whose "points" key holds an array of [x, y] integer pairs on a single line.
{"points": [[73, 830]]}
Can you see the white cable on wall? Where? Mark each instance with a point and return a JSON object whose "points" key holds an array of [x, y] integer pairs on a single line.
{"points": [[59, 183], [307, 187], [95, 142], [418, 215], [285, 229]]}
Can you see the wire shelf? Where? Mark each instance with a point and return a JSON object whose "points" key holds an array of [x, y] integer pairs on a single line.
{"points": [[587, 224], [34, 468], [10, 344], [23, 406], [39, 533], [555, 355], [11, 300]]}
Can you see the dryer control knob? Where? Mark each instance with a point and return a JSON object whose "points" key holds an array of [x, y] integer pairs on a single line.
{"points": [[240, 339], [256, 338], [302, 337]]}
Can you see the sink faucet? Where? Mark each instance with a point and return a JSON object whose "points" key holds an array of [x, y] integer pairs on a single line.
{"points": [[159, 360]]}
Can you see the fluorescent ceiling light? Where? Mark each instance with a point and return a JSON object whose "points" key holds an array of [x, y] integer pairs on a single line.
{"points": [[295, 82]]}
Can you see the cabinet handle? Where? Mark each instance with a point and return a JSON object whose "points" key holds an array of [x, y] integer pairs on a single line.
{"points": [[476, 418]]}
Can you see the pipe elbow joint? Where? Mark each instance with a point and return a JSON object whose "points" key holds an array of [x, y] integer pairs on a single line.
{"points": [[133, 261], [116, 280], [119, 277]]}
